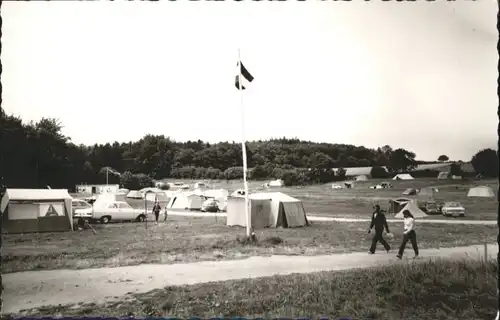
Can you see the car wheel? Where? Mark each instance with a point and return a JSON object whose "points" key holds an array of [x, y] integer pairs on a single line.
{"points": [[105, 219], [140, 218]]}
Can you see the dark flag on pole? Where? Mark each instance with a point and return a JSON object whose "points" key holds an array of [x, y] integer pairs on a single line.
{"points": [[245, 76]]}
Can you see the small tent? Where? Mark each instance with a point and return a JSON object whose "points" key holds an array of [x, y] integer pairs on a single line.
{"points": [[362, 178], [410, 192], [396, 205], [428, 192], [414, 210], [160, 196], [36, 210], [402, 176], [134, 194], [186, 202], [200, 185], [443, 175], [123, 191], [276, 183], [481, 191]]}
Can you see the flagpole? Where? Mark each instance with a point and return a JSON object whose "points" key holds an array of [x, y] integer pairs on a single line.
{"points": [[244, 148], [107, 172]]}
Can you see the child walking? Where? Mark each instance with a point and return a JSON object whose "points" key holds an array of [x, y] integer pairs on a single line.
{"points": [[408, 234]]}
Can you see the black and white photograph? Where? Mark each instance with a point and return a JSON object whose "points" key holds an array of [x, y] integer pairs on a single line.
{"points": [[251, 159]]}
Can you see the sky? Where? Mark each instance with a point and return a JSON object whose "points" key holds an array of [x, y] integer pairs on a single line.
{"points": [[421, 75]]}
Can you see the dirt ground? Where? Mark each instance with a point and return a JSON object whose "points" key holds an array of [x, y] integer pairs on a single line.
{"points": [[45, 288]]}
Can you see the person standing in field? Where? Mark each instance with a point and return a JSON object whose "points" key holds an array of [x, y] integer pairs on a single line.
{"points": [[165, 218], [408, 234], [379, 222], [156, 211]]}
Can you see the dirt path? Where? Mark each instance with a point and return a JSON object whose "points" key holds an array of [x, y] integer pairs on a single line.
{"points": [[24, 290], [333, 219]]}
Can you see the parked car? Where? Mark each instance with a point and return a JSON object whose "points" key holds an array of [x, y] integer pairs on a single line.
{"points": [[453, 209], [210, 205], [431, 207], [81, 209], [118, 211]]}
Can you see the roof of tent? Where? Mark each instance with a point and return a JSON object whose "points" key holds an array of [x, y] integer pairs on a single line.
{"points": [[33, 195]]}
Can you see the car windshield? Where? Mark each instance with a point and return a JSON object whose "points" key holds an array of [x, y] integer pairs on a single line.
{"points": [[453, 204]]}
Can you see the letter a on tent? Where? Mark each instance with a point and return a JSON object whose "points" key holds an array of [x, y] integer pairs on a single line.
{"points": [[51, 212]]}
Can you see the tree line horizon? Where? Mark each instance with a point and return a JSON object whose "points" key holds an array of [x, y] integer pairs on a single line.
{"points": [[37, 155]]}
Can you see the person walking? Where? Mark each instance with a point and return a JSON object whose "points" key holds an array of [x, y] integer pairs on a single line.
{"points": [[165, 218], [408, 234], [379, 222], [156, 211]]}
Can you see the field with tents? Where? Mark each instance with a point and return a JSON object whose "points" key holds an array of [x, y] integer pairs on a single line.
{"points": [[275, 212], [358, 200]]}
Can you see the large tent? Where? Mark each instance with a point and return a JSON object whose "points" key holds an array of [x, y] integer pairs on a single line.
{"points": [[36, 210], [428, 192], [154, 196], [402, 176], [481, 191], [414, 210], [186, 201], [273, 209]]}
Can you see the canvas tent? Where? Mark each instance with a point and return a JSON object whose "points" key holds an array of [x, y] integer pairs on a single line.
{"points": [[428, 192], [186, 202], [402, 176], [481, 191], [414, 210], [410, 192], [396, 205], [443, 175], [362, 178], [134, 194], [271, 209], [36, 210]]}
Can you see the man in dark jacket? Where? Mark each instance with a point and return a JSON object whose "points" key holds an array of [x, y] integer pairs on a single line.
{"points": [[379, 222]]}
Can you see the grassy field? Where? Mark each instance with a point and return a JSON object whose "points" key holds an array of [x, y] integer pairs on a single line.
{"points": [[184, 239], [427, 290], [359, 200]]}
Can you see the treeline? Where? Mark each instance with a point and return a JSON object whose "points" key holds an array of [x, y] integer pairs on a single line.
{"points": [[37, 154]]}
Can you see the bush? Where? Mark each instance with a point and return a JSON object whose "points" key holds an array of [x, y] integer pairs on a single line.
{"points": [[378, 172]]}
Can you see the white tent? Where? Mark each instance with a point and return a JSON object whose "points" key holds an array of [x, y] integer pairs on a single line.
{"points": [[160, 196], [414, 210], [186, 202], [134, 194], [123, 191], [259, 209], [429, 192], [481, 191], [362, 178], [276, 183], [402, 176], [36, 210]]}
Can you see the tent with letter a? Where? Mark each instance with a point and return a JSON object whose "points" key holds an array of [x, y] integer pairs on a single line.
{"points": [[36, 210]]}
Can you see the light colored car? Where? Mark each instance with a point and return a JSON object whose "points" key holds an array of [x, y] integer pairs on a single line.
{"points": [[453, 209], [81, 209], [118, 211]]}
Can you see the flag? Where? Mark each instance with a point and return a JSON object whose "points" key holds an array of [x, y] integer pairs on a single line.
{"points": [[245, 75], [112, 171]]}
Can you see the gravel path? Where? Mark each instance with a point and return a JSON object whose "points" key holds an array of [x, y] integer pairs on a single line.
{"points": [[23, 290]]}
